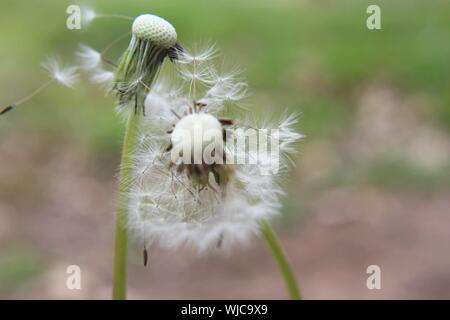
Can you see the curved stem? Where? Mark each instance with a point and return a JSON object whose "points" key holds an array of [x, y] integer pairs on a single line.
{"points": [[281, 259], [114, 42], [114, 16], [121, 236]]}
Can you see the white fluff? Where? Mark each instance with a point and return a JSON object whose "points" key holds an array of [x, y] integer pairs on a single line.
{"points": [[88, 58], [87, 15], [202, 55], [102, 77], [164, 205], [66, 76]]}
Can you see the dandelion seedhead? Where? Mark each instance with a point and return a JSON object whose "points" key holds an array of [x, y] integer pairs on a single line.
{"points": [[153, 39], [211, 192]]}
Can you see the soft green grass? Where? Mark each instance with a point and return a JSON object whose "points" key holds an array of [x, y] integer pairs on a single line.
{"points": [[18, 266]]}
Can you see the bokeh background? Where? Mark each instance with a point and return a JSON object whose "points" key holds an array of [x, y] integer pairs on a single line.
{"points": [[371, 184]]}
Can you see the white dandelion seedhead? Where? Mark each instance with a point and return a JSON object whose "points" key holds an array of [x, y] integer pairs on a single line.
{"points": [[67, 76], [204, 205]]}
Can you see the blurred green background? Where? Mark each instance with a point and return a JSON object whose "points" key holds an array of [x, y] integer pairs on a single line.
{"points": [[371, 185]]}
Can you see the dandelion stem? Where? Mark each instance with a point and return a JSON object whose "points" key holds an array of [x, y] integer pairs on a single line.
{"points": [[121, 238], [35, 92], [26, 98], [114, 16], [281, 259], [114, 42]]}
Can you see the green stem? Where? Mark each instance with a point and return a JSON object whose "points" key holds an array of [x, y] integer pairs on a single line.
{"points": [[120, 246], [280, 257]]}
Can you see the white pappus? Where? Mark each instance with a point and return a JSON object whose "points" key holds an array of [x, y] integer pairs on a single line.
{"points": [[67, 76]]}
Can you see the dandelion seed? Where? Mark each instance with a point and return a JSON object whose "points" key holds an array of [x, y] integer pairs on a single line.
{"points": [[287, 132], [225, 79], [6, 109], [88, 58], [198, 74], [200, 56], [66, 76], [87, 15], [102, 77]]}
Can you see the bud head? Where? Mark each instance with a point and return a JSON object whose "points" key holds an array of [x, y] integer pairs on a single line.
{"points": [[154, 29]]}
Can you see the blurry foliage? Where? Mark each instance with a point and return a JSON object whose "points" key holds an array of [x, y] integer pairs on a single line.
{"points": [[393, 174], [18, 265]]}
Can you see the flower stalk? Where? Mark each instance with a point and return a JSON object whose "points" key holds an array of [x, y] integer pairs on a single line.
{"points": [[152, 40], [281, 259], [121, 233]]}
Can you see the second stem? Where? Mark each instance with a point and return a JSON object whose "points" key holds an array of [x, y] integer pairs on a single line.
{"points": [[119, 291]]}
